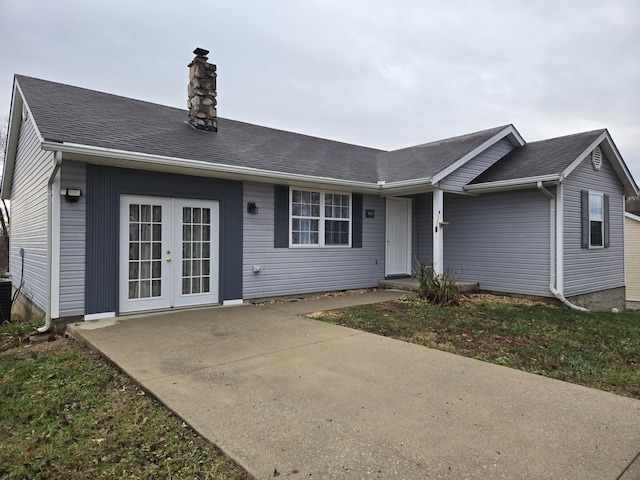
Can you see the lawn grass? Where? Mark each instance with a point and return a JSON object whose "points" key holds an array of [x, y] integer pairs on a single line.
{"points": [[599, 350], [66, 413]]}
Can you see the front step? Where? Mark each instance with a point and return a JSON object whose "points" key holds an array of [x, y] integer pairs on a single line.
{"points": [[412, 285]]}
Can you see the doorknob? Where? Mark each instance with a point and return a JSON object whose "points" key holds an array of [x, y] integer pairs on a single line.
{"points": [[168, 259]]}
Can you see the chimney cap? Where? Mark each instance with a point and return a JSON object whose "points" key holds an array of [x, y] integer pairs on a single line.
{"points": [[201, 52]]}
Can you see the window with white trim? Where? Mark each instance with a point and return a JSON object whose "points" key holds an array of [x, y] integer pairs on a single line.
{"points": [[596, 220], [320, 218]]}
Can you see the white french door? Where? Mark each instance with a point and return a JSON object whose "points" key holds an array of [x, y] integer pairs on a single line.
{"points": [[398, 249], [168, 252]]}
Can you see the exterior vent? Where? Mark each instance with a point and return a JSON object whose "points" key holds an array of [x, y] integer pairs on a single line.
{"points": [[25, 112], [596, 158]]}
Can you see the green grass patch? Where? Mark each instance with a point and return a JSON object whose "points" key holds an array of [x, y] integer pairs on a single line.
{"points": [[599, 350], [66, 413]]}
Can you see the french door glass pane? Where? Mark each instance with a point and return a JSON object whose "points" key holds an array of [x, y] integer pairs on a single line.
{"points": [[145, 251], [196, 233]]}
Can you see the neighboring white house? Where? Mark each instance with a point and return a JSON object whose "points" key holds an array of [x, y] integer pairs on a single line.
{"points": [[632, 255]]}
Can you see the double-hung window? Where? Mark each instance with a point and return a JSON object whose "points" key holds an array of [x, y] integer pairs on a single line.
{"points": [[320, 218], [596, 220]]}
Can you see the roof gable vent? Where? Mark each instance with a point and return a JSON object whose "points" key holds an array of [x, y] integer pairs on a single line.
{"points": [[596, 158]]}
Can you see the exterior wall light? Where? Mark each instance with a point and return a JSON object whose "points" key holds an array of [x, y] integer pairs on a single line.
{"points": [[71, 195], [252, 208]]}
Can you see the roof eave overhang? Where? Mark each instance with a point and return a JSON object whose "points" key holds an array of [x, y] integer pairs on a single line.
{"points": [[126, 159], [632, 216], [514, 184], [509, 132], [617, 163], [13, 132], [406, 187], [18, 103]]}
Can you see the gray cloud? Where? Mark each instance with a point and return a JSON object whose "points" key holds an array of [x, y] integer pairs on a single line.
{"points": [[381, 73]]}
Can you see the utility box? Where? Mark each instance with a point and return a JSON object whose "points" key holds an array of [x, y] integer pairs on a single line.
{"points": [[5, 300]]}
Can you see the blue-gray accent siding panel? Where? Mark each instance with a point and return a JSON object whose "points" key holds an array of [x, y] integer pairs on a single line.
{"points": [[422, 237], [500, 240], [104, 187], [281, 216], [288, 271], [72, 241], [591, 270], [456, 181]]}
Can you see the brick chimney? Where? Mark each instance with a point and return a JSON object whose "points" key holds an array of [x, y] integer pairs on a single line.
{"points": [[202, 92]]}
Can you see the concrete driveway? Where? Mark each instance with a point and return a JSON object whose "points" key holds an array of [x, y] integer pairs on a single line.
{"points": [[282, 393]]}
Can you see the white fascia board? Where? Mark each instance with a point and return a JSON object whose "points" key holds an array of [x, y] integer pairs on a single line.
{"points": [[632, 216], [583, 155], [220, 170], [510, 130], [407, 187], [614, 157], [13, 133], [515, 184], [611, 151]]}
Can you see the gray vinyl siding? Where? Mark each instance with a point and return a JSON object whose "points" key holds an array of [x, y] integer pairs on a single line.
{"points": [[500, 240], [288, 271], [456, 181], [422, 237], [72, 241], [591, 270], [33, 167]]}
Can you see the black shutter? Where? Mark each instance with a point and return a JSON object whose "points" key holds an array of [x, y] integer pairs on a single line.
{"points": [[585, 218], [281, 217], [356, 220], [605, 213]]}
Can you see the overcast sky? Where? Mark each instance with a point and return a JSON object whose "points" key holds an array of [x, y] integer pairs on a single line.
{"points": [[385, 74]]}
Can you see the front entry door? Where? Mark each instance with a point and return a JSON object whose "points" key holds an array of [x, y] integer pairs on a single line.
{"points": [[398, 251], [168, 252]]}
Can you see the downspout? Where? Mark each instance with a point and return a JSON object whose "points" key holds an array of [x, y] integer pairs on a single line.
{"points": [[56, 168], [553, 242]]}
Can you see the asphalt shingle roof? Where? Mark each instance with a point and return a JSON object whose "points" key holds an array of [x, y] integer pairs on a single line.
{"points": [[535, 159], [424, 161], [76, 115], [70, 114]]}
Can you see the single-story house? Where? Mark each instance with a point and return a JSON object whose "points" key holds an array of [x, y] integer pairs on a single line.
{"points": [[120, 206]]}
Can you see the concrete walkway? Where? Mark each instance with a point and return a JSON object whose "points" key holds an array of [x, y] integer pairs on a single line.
{"points": [[280, 392]]}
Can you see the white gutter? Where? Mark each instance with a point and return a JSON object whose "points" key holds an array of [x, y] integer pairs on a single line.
{"points": [[245, 173], [519, 183], [56, 168], [555, 260], [183, 163]]}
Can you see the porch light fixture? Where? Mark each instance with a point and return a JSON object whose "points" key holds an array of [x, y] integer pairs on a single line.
{"points": [[252, 208], [71, 195]]}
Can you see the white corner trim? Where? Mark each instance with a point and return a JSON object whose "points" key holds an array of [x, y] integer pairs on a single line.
{"points": [[229, 303], [99, 316]]}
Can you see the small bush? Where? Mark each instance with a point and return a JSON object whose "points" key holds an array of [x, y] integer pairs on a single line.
{"points": [[439, 289]]}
